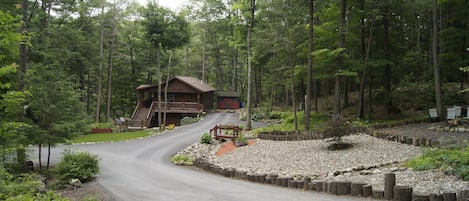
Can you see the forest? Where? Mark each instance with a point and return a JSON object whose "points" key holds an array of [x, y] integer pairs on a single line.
{"points": [[67, 63]]}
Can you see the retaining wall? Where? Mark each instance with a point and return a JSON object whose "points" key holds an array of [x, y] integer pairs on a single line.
{"points": [[390, 192]]}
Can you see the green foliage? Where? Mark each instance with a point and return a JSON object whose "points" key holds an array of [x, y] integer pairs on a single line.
{"points": [[90, 198], [165, 28], [77, 165], [452, 161], [206, 138], [181, 160], [9, 38], [240, 140], [189, 120], [357, 123], [23, 187], [55, 104], [276, 115], [336, 128], [287, 122]]}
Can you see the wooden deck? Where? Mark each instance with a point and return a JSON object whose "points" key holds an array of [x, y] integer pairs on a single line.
{"points": [[142, 115], [179, 107]]}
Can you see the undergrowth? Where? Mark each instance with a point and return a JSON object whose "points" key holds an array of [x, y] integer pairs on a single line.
{"points": [[451, 161], [288, 121]]}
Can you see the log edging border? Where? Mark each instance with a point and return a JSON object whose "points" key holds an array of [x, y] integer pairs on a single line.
{"points": [[347, 188]]}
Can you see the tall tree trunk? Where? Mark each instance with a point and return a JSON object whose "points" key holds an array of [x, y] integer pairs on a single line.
{"points": [[109, 81], [387, 69], [23, 45], [361, 101], [100, 68], [292, 77], [340, 59], [49, 145], [204, 53], [218, 67], [436, 67], [234, 77], [40, 156], [463, 50], [21, 152], [250, 29], [310, 64], [158, 66], [111, 61], [166, 88]]}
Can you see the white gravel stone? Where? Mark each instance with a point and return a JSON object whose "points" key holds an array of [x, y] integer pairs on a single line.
{"points": [[365, 162]]}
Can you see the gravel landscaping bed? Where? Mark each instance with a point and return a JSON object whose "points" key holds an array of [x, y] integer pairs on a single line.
{"points": [[367, 162]]}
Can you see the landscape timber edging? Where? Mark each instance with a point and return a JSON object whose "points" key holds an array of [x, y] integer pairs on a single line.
{"points": [[340, 188], [347, 188]]}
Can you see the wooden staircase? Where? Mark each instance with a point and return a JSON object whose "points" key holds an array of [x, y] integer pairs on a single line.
{"points": [[139, 118]]}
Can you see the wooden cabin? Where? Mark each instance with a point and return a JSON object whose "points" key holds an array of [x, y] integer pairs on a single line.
{"points": [[186, 96], [228, 100]]}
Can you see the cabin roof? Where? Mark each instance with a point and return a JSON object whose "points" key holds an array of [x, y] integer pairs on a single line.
{"points": [[195, 83]]}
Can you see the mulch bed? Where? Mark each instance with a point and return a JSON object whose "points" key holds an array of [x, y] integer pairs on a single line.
{"points": [[229, 147]]}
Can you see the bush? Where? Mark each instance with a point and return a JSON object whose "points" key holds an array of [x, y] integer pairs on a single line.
{"points": [[240, 140], [451, 161], [189, 120], [206, 138], [336, 129], [23, 187], [181, 160], [276, 115], [77, 165]]}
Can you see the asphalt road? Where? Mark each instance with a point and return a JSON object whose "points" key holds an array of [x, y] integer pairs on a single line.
{"points": [[140, 170]]}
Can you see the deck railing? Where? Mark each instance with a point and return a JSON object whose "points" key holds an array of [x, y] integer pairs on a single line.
{"points": [[179, 106]]}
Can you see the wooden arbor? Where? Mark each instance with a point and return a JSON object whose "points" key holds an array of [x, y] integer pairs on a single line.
{"points": [[225, 131]]}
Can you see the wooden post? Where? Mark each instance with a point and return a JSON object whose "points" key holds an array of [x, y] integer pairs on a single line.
{"points": [[319, 186], [357, 189], [343, 187], [416, 197], [389, 183], [332, 187], [367, 190], [377, 194], [464, 194], [449, 197], [403, 193], [435, 197], [306, 182]]}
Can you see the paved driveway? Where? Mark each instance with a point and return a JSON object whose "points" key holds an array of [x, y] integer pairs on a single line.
{"points": [[140, 170]]}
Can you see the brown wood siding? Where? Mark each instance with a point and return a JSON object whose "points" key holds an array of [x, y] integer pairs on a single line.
{"points": [[176, 86], [206, 99]]}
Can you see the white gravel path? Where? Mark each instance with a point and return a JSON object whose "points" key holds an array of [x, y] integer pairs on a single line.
{"points": [[366, 162]]}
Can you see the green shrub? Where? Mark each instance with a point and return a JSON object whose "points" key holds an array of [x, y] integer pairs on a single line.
{"points": [[189, 120], [90, 198], [451, 161], [276, 115], [336, 129], [206, 138], [23, 187], [77, 165], [240, 140], [181, 160]]}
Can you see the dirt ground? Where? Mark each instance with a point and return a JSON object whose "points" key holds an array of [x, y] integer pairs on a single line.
{"points": [[423, 131], [86, 192]]}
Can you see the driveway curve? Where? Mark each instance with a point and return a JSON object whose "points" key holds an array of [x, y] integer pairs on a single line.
{"points": [[140, 170]]}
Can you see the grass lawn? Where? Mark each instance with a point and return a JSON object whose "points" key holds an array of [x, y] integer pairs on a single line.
{"points": [[109, 137]]}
